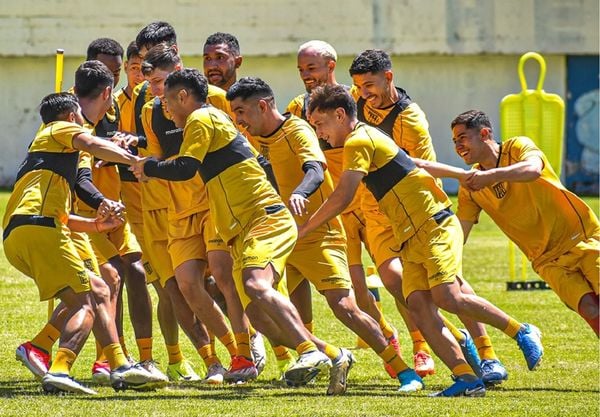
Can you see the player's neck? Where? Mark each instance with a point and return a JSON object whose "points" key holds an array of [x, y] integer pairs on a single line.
{"points": [[274, 120], [492, 156], [391, 98]]}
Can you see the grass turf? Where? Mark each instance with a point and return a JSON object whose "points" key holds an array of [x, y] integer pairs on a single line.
{"points": [[567, 382]]}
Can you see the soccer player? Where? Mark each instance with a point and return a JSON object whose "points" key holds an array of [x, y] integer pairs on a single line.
{"points": [[292, 147], [248, 213], [178, 369], [188, 204], [40, 205], [382, 104], [221, 59], [316, 66], [425, 227], [515, 185]]}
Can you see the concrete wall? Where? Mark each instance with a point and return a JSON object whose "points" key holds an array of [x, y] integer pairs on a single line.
{"points": [[450, 55]]}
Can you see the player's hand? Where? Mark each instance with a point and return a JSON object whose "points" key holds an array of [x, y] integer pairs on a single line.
{"points": [[125, 140], [108, 224], [138, 169], [109, 208], [478, 180], [297, 204]]}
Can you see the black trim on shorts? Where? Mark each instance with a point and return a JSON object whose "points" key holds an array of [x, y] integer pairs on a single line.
{"points": [[442, 215], [276, 208], [17, 220]]}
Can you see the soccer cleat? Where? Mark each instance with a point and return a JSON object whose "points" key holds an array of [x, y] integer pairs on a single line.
{"points": [[257, 349], [214, 374], [34, 359], [493, 372], [181, 371], [150, 366], [469, 351], [101, 373], [283, 365], [136, 378], [410, 381], [56, 383], [306, 368], [423, 364], [529, 339], [393, 340], [462, 388], [338, 373], [241, 370]]}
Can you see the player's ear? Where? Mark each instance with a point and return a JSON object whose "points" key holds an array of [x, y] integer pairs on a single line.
{"points": [[340, 114], [389, 75], [238, 61]]}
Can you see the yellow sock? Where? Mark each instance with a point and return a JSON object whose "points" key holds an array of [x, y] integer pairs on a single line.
{"points": [[458, 335], [251, 330], [310, 327], [390, 357], [386, 329], [213, 345], [62, 362], [145, 348], [243, 345], [123, 346], [208, 355], [331, 351], [100, 356], [229, 341], [462, 369], [282, 353], [419, 343], [305, 347], [485, 348], [512, 328], [115, 355], [174, 353], [46, 338]]}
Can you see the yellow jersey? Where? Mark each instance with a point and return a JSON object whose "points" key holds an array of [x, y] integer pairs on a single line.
{"points": [[237, 186], [46, 177], [542, 217], [407, 195]]}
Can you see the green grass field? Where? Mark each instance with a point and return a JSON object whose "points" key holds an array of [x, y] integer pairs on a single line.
{"points": [[566, 384]]}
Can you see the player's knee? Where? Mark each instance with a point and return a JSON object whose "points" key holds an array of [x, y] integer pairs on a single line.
{"points": [[588, 306], [100, 291], [110, 275], [255, 288], [447, 302]]}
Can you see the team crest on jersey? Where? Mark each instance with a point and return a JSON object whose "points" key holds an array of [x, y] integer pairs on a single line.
{"points": [[373, 116], [499, 190], [264, 150], [83, 277]]}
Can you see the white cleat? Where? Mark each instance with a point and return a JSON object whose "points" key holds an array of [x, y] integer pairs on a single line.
{"points": [[215, 374], [338, 373], [257, 349], [306, 368], [135, 378], [54, 383]]}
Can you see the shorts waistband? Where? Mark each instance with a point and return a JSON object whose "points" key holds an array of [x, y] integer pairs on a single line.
{"points": [[274, 208], [442, 215], [24, 219]]}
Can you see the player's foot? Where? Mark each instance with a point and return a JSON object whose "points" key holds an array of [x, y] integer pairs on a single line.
{"points": [[55, 383], [423, 364], [529, 339], [181, 371], [34, 359], [393, 340], [463, 388], [306, 368], [493, 372], [214, 374], [136, 378], [283, 365], [257, 349], [150, 366], [410, 381], [241, 370], [338, 373], [101, 373], [469, 351]]}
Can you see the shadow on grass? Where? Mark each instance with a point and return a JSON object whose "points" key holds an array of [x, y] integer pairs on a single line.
{"points": [[29, 388]]}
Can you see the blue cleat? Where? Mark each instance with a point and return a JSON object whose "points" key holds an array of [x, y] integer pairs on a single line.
{"points": [[469, 351], [493, 372], [410, 381], [462, 388], [529, 339]]}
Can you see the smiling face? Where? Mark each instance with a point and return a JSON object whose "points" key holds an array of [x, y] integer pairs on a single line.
{"points": [[175, 99], [329, 126], [250, 115], [375, 88], [133, 70], [220, 65], [157, 81], [469, 144], [314, 69]]}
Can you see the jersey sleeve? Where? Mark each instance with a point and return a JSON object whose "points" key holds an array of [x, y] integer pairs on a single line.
{"points": [[295, 106], [63, 133], [468, 209], [358, 155], [523, 148], [153, 148], [196, 137], [411, 133], [85, 160], [306, 146]]}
